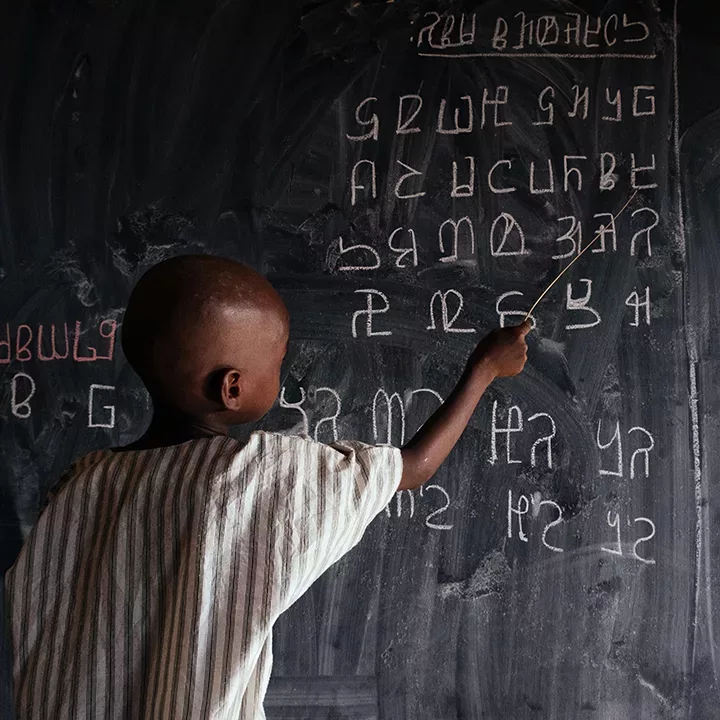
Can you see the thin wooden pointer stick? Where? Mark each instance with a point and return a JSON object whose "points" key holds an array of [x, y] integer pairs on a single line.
{"points": [[578, 256]]}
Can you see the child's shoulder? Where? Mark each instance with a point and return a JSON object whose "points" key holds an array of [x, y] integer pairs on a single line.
{"points": [[77, 467]]}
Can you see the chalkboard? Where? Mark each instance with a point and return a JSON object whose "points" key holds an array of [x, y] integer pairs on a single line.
{"points": [[409, 175]]}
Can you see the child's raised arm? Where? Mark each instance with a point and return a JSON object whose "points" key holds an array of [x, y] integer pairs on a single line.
{"points": [[501, 353]]}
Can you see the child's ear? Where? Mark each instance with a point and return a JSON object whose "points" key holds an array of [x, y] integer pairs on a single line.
{"points": [[231, 389]]}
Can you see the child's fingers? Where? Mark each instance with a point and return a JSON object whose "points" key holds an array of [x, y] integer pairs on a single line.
{"points": [[523, 329]]}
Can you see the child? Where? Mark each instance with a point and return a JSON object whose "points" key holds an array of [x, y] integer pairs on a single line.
{"points": [[151, 582]]}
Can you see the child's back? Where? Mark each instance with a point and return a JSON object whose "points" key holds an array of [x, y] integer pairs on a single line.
{"points": [[151, 582]]}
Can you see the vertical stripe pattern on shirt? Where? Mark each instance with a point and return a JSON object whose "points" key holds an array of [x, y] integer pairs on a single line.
{"points": [[182, 524], [149, 586], [54, 610], [185, 464], [72, 637], [193, 629], [153, 624]]}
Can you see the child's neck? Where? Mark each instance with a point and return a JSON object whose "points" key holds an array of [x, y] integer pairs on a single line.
{"points": [[170, 426]]}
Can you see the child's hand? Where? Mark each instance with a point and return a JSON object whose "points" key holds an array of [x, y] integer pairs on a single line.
{"points": [[502, 351]]}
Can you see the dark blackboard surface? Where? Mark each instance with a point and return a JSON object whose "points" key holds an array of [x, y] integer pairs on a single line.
{"points": [[565, 578]]}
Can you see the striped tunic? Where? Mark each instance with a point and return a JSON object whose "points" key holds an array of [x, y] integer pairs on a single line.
{"points": [[151, 582]]}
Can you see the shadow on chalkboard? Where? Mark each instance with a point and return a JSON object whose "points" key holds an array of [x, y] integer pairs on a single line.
{"points": [[11, 532], [6, 694], [13, 541]]}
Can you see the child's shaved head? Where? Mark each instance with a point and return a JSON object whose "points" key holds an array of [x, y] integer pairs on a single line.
{"points": [[207, 336]]}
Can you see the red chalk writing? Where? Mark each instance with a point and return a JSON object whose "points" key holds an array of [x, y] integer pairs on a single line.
{"points": [[78, 342]]}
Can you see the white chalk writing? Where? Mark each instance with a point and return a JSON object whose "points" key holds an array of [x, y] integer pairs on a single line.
{"points": [[373, 260], [519, 510], [504, 227], [515, 425], [355, 182], [109, 421], [633, 301], [613, 520], [373, 123], [580, 304], [455, 229], [403, 252], [448, 323], [20, 399], [642, 451], [370, 312]]}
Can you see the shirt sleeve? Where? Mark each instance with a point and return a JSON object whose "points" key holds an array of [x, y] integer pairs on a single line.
{"points": [[328, 495]]}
